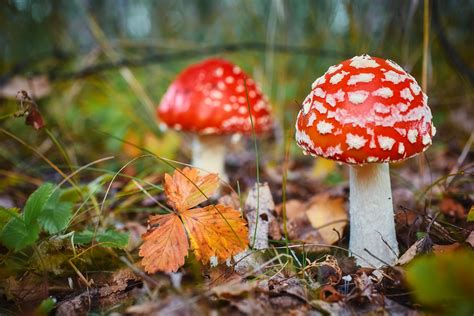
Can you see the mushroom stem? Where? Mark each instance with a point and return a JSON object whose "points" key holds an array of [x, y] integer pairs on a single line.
{"points": [[209, 154], [371, 215]]}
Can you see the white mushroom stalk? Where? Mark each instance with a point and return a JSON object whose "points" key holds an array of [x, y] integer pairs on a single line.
{"points": [[209, 154], [371, 215]]}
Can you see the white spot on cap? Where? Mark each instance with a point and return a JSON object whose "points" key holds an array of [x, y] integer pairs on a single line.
{"points": [[415, 88], [363, 77], [227, 107], [216, 94], [401, 131], [209, 130], [332, 151], [242, 100], [236, 70], [229, 80], [372, 159], [219, 72], [243, 110], [358, 97], [318, 82], [311, 119], [320, 93], [221, 85], [401, 148], [240, 88], [381, 108], [383, 92], [385, 142], [306, 107], [433, 130], [394, 77], [351, 160], [324, 127], [355, 141], [339, 95], [395, 65], [320, 107], [364, 61], [426, 139], [406, 94], [252, 94], [330, 100], [412, 135], [402, 107], [338, 77], [303, 138], [334, 69]]}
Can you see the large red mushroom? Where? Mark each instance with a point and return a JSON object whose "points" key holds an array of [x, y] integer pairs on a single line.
{"points": [[367, 112], [212, 99]]}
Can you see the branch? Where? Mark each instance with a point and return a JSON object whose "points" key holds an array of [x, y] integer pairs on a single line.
{"points": [[161, 57]]}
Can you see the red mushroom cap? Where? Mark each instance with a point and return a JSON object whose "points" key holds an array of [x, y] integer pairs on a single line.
{"points": [[365, 110], [210, 98]]}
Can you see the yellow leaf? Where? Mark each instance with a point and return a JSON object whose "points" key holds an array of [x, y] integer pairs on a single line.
{"points": [[164, 247], [182, 191], [328, 215], [215, 231]]}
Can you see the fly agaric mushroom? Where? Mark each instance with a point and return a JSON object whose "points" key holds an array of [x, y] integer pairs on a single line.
{"points": [[367, 112], [209, 99]]}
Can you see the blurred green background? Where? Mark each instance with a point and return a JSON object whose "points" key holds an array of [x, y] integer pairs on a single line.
{"points": [[68, 55]]}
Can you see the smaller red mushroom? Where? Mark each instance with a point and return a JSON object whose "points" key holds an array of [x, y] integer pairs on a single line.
{"points": [[212, 99], [367, 112]]}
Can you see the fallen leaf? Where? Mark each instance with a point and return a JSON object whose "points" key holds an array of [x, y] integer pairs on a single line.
{"points": [[439, 249], [470, 239], [213, 231], [164, 247], [422, 245], [185, 188], [329, 216], [450, 207]]}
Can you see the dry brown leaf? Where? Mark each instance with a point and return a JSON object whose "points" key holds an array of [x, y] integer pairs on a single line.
{"points": [[215, 231], [164, 247], [329, 216], [182, 191]]}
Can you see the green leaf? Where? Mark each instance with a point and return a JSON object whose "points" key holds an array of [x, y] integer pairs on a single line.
{"points": [[36, 202], [110, 238], [444, 281], [55, 215], [84, 237], [6, 214], [17, 234], [113, 239], [470, 215]]}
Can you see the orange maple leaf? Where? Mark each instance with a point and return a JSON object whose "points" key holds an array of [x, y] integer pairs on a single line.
{"points": [[215, 230]]}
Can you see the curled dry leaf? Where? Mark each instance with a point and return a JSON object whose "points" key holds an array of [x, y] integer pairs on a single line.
{"points": [[213, 230], [320, 221]]}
